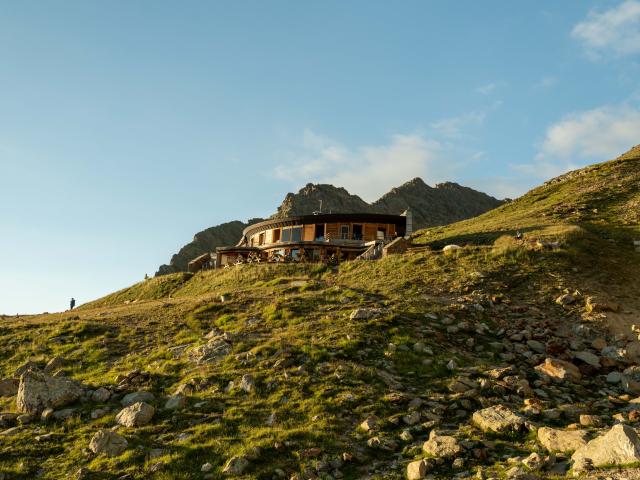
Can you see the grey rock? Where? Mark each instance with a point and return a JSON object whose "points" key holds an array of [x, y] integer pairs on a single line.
{"points": [[442, 446], [498, 419], [136, 397], [101, 395], [38, 391], [135, 415], [619, 446], [106, 442], [565, 441]]}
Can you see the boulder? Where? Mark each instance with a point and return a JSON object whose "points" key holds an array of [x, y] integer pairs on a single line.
{"points": [[248, 383], [27, 366], [441, 446], [106, 442], [619, 446], [448, 249], [38, 391], [364, 313], [9, 387], [559, 370], [588, 358], [135, 415], [565, 441], [417, 470], [498, 419], [210, 352], [135, 397], [101, 395]]}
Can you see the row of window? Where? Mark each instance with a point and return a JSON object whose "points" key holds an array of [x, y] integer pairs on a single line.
{"points": [[294, 234]]}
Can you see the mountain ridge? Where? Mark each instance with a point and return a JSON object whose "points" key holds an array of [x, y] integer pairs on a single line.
{"points": [[445, 203]]}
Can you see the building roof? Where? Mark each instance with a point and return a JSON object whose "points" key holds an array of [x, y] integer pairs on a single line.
{"points": [[323, 218]]}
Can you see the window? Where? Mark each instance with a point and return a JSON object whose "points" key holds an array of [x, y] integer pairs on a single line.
{"points": [[276, 235], [344, 232], [357, 232], [286, 234], [261, 239], [296, 234], [319, 235]]}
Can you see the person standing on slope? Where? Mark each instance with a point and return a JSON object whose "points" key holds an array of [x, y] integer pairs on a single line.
{"points": [[72, 303]]}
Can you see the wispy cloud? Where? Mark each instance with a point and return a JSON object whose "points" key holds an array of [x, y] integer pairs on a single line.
{"points": [[489, 88], [582, 137], [454, 126], [545, 82], [616, 30], [370, 170]]}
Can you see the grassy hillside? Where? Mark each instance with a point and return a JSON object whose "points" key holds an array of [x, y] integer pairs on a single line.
{"points": [[420, 357]]}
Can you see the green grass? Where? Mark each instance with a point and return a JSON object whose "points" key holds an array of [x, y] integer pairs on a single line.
{"points": [[320, 372]]}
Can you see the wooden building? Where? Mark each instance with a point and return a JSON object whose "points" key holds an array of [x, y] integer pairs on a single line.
{"points": [[314, 238]]}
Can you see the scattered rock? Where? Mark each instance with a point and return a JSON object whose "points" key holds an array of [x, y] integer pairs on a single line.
{"points": [[448, 249], [418, 469], [369, 425], [215, 349], [106, 442], [498, 419], [559, 370], [565, 441], [101, 395], [565, 299], [588, 358], [594, 306], [135, 415], [38, 390], [247, 383], [441, 446], [136, 397], [619, 446], [364, 313]]}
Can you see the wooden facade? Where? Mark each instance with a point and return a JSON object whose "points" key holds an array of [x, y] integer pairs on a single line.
{"points": [[313, 238]]}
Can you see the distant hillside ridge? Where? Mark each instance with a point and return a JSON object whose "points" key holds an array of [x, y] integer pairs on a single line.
{"points": [[431, 206], [440, 205]]}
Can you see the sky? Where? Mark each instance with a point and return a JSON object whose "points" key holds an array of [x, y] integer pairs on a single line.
{"points": [[127, 127]]}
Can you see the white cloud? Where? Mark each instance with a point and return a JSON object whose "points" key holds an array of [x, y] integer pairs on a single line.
{"points": [[583, 137], [370, 170], [616, 30]]}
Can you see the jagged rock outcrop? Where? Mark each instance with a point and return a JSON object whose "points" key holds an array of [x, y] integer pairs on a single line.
{"points": [[445, 203], [205, 241]]}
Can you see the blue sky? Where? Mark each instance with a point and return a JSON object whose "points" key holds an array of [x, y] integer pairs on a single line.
{"points": [[126, 127]]}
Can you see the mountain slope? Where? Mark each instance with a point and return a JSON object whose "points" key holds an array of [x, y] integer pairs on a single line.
{"points": [[302, 371], [446, 203]]}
